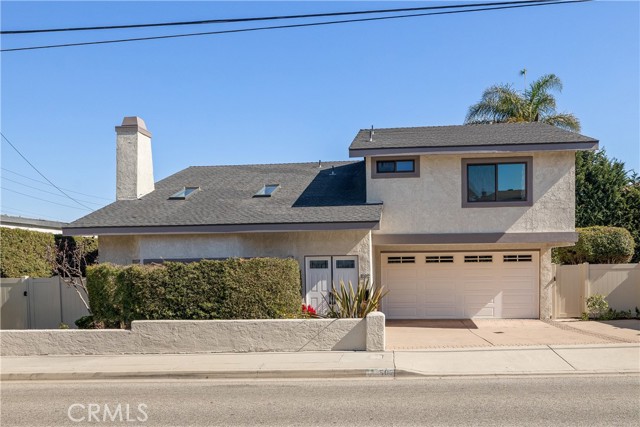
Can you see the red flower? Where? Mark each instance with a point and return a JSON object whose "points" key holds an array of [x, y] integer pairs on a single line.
{"points": [[308, 309]]}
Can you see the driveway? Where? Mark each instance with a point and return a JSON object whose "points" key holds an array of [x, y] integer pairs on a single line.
{"points": [[425, 334]]}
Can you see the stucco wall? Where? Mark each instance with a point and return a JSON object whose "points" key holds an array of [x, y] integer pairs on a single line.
{"points": [[432, 202], [118, 249], [204, 336], [124, 249]]}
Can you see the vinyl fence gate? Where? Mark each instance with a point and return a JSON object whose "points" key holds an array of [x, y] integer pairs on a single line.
{"points": [[39, 303]]}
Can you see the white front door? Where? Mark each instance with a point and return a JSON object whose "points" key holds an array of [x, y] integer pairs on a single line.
{"points": [[345, 270], [324, 272], [318, 282]]}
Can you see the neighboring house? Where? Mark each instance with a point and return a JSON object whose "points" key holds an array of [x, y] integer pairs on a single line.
{"points": [[41, 225], [455, 221]]}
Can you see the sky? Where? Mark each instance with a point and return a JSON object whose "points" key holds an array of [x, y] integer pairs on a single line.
{"points": [[289, 95]]}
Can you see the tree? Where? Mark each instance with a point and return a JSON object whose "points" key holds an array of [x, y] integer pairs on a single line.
{"points": [[504, 104], [69, 258], [607, 195]]}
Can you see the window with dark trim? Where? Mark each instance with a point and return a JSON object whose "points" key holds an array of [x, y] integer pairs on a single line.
{"points": [[395, 167], [497, 182]]}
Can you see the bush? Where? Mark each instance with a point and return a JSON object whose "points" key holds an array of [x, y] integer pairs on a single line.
{"points": [[24, 252], [597, 306], [258, 288], [598, 245]]}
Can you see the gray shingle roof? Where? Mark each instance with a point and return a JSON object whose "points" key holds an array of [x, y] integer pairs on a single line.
{"points": [[307, 194], [461, 136], [34, 222]]}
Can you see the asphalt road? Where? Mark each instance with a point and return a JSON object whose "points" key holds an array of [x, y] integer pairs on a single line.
{"points": [[607, 400]]}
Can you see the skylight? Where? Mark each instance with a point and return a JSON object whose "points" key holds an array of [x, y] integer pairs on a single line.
{"points": [[184, 193], [267, 190]]}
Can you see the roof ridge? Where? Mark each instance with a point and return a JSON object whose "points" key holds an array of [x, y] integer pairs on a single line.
{"points": [[461, 125], [275, 164]]}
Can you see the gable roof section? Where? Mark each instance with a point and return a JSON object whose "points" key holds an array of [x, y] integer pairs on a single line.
{"points": [[496, 137], [309, 198]]}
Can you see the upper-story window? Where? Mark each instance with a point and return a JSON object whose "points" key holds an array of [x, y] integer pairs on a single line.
{"points": [[497, 182], [395, 167]]}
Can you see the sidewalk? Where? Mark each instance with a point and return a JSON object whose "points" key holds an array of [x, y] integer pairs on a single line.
{"points": [[535, 360]]}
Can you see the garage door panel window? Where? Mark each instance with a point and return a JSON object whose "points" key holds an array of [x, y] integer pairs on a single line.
{"points": [[478, 258], [517, 258], [401, 260]]}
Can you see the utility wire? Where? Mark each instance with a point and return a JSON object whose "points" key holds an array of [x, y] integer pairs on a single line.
{"points": [[41, 174], [267, 18], [277, 27], [45, 191], [44, 200], [66, 189]]}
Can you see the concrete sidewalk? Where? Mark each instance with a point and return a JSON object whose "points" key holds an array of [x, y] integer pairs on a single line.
{"points": [[537, 360]]}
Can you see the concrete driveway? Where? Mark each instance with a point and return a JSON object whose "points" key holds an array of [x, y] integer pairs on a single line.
{"points": [[426, 334]]}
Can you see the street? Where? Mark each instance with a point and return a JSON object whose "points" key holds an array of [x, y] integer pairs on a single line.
{"points": [[538, 401]]}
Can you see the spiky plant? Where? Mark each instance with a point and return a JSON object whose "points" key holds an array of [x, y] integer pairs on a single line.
{"points": [[353, 303]]}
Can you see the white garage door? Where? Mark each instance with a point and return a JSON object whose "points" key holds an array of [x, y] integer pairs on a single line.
{"points": [[460, 285]]}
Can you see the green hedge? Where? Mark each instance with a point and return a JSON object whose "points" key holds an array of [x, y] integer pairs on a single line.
{"points": [[257, 288], [598, 245], [24, 252]]}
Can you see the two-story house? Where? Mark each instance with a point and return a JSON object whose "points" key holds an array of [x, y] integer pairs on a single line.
{"points": [[455, 221]]}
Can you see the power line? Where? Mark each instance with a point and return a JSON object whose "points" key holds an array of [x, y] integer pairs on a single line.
{"points": [[268, 18], [44, 200], [278, 27], [41, 174], [66, 189], [45, 191]]}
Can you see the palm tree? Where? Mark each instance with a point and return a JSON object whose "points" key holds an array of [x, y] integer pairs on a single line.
{"points": [[503, 104]]}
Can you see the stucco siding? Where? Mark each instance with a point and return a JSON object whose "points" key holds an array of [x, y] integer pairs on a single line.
{"points": [[124, 249], [432, 203], [118, 249]]}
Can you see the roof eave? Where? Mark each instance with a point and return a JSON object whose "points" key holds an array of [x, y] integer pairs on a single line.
{"points": [[221, 228], [506, 148]]}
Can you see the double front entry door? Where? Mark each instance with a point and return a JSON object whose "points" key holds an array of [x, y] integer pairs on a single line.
{"points": [[324, 271]]}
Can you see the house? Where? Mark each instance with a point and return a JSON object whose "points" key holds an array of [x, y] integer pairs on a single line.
{"points": [[33, 224], [455, 221]]}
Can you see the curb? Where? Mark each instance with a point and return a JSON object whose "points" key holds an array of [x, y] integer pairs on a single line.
{"points": [[261, 374], [290, 374]]}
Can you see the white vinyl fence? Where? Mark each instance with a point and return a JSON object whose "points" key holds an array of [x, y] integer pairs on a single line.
{"points": [[618, 283], [38, 303]]}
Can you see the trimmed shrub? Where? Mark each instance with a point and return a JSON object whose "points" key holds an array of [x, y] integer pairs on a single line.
{"points": [[23, 253], [258, 288], [598, 245], [104, 286]]}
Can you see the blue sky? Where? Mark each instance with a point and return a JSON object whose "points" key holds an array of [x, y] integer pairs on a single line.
{"points": [[287, 95]]}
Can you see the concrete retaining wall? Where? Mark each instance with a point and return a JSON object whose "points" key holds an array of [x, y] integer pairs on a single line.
{"points": [[203, 336]]}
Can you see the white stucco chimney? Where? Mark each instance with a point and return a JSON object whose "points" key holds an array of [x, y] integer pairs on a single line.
{"points": [[134, 167]]}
